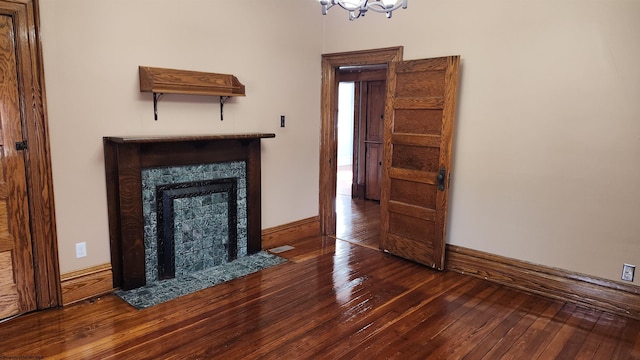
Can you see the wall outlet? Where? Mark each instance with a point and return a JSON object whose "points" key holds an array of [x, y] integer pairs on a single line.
{"points": [[627, 272], [81, 249]]}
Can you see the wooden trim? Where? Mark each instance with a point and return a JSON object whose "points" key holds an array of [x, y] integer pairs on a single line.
{"points": [[284, 234], [328, 137], [87, 283], [559, 284], [362, 75], [185, 138], [40, 178]]}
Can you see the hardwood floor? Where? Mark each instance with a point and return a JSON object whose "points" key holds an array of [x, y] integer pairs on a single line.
{"points": [[358, 221], [334, 299]]}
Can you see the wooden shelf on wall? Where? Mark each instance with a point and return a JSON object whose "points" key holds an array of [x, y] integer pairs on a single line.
{"points": [[161, 81], [171, 81]]}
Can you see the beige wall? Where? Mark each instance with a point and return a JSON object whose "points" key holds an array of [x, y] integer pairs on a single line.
{"points": [[548, 138], [92, 50], [547, 151]]}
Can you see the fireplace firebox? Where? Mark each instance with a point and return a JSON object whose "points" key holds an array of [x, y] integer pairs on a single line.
{"points": [[209, 245]]}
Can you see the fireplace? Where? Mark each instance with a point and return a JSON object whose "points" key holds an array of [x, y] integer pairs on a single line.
{"points": [[181, 204]]}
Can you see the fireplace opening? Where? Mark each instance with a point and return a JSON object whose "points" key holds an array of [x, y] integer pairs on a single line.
{"points": [[179, 236]]}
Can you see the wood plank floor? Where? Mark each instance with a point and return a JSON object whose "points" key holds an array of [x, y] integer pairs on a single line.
{"points": [[358, 221], [334, 299]]}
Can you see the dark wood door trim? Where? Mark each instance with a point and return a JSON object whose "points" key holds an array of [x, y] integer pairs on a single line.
{"points": [[38, 163], [328, 135]]}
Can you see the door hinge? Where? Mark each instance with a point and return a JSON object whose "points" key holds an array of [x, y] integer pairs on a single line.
{"points": [[21, 145]]}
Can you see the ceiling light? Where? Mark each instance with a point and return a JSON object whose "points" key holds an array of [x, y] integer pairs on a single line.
{"points": [[357, 8]]}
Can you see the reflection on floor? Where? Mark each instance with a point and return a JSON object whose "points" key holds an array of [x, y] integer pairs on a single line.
{"points": [[358, 221]]}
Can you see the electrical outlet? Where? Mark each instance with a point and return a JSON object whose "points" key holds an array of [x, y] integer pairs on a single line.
{"points": [[81, 249], [627, 272]]}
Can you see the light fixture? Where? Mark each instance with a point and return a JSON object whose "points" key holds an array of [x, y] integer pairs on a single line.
{"points": [[358, 8]]}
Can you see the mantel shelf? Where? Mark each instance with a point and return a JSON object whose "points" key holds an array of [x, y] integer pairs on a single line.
{"points": [[161, 81], [186, 138]]}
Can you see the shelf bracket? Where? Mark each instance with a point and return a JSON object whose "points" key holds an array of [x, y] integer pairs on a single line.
{"points": [[156, 97], [223, 99]]}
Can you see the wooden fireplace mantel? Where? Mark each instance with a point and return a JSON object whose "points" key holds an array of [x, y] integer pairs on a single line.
{"points": [[125, 157], [172, 139]]}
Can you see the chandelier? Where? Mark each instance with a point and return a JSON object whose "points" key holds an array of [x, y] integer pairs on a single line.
{"points": [[358, 8]]}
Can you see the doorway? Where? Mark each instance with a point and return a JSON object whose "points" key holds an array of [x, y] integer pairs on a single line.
{"points": [[416, 162], [361, 103], [357, 211], [331, 64]]}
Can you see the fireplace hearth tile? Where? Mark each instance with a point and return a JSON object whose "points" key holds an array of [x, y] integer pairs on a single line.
{"points": [[160, 291]]}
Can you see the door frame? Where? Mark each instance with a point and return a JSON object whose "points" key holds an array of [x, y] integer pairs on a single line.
{"points": [[38, 166], [329, 122]]}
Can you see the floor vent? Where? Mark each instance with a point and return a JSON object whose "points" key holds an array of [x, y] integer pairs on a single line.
{"points": [[281, 249]]}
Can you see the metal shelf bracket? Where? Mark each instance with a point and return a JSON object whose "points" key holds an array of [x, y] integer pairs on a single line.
{"points": [[156, 97], [223, 99]]}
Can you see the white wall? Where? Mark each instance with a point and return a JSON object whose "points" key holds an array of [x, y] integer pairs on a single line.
{"points": [[547, 147], [92, 50]]}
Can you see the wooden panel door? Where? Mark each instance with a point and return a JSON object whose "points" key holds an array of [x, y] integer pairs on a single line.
{"points": [[419, 117], [17, 285], [376, 91]]}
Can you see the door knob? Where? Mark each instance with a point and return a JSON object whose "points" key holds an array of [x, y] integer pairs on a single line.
{"points": [[441, 177], [21, 145]]}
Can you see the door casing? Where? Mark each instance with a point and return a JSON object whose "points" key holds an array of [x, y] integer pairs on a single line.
{"points": [[37, 157]]}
